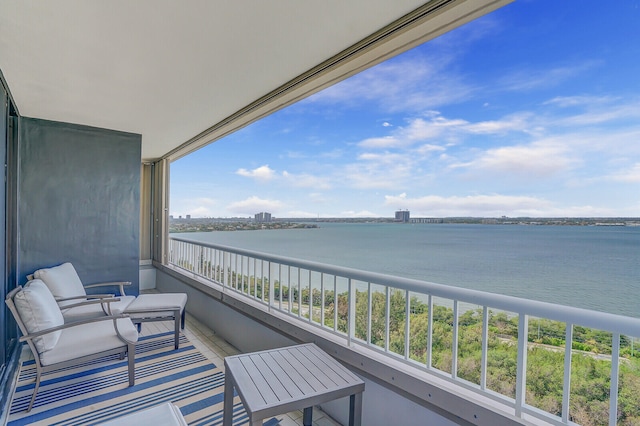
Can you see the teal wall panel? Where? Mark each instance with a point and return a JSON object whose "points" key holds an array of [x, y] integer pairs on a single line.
{"points": [[79, 200]]}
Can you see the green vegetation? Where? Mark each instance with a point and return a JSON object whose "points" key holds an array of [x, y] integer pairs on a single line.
{"points": [[591, 364], [209, 225]]}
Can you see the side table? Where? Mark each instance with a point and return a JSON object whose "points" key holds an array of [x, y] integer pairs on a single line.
{"points": [[281, 380]]}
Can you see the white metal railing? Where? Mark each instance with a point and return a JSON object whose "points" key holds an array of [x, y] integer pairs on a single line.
{"points": [[426, 325]]}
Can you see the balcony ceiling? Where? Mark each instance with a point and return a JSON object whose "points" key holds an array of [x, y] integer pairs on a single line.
{"points": [[167, 69]]}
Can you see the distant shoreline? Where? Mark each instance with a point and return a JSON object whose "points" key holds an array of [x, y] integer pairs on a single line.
{"points": [[249, 224]]}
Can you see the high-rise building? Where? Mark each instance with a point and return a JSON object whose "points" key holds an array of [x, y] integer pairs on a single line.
{"points": [[402, 216], [262, 217]]}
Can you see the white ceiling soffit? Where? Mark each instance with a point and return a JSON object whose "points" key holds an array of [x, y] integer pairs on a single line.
{"points": [[185, 73]]}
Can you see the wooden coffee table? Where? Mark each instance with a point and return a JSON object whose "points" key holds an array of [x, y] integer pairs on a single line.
{"points": [[281, 380]]}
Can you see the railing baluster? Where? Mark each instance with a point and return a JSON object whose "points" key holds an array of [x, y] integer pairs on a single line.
{"points": [[369, 313], [335, 303], [243, 281], [454, 343], [272, 289], [192, 255], [299, 294], [322, 299], [407, 325], [521, 368], [310, 298], [262, 283], [219, 254], [387, 317], [255, 278], [430, 332], [615, 368], [289, 290], [351, 324], [485, 347], [279, 286], [566, 385], [235, 270], [223, 270]]}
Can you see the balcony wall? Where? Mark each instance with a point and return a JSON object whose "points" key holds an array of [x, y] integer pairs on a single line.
{"points": [[393, 395], [79, 200]]}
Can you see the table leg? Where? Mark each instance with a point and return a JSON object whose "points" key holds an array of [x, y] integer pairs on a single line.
{"points": [[227, 414], [307, 416], [176, 331], [355, 410]]}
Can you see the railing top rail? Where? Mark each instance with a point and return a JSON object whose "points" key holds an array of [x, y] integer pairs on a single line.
{"points": [[578, 316]]}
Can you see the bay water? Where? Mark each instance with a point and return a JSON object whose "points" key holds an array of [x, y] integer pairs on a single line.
{"points": [[592, 267]]}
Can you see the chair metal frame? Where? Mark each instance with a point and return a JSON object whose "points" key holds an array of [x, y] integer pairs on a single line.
{"points": [[128, 348]]}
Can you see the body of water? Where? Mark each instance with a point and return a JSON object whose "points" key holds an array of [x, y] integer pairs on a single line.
{"points": [[592, 267]]}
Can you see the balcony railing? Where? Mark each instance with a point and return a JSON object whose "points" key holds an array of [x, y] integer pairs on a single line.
{"points": [[498, 346]]}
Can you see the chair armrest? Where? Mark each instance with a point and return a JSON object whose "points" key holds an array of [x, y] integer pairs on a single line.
{"points": [[86, 296], [100, 301], [70, 325], [120, 284]]}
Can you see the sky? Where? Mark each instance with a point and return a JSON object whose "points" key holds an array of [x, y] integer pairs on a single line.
{"points": [[530, 111]]}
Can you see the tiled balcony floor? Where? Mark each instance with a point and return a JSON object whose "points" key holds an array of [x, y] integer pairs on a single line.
{"points": [[215, 348]]}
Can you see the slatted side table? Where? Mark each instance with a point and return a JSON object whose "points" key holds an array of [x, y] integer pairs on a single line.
{"points": [[281, 380]]}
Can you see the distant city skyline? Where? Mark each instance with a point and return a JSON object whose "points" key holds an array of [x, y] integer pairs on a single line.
{"points": [[531, 111]]}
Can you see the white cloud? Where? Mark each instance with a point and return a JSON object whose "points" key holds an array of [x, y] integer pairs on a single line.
{"points": [[494, 205], [318, 197], [196, 207], [420, 129], [427, 149], [305, 180], [254, 205], [531, 79], [361, 213], [302, 214], [417, 130], [262, 173], [533, 160], [474, 205], [377, 170], [516, 122], [439, 129], [572, 101], [381, 143], [295, 155], [333, 154], [631, 175], [605, 114], [402, 84]]}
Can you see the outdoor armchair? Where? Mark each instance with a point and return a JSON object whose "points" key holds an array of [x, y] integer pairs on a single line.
{"points": [[65, 285], [56, 344]]}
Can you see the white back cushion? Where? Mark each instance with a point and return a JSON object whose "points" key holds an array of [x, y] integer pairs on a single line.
{"points": [[39, 311], [62, 280]]}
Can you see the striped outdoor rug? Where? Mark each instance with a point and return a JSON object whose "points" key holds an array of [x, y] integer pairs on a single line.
{"points": [[98, 391]]}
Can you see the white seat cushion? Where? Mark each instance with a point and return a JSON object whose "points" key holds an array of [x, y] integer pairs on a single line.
{"points": [[88, 339], [63, 281], [79, 313], [166, 414], [39, 311], [156, 305]]}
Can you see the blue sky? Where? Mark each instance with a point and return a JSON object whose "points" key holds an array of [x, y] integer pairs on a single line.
{"points": [[533, 110]]}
